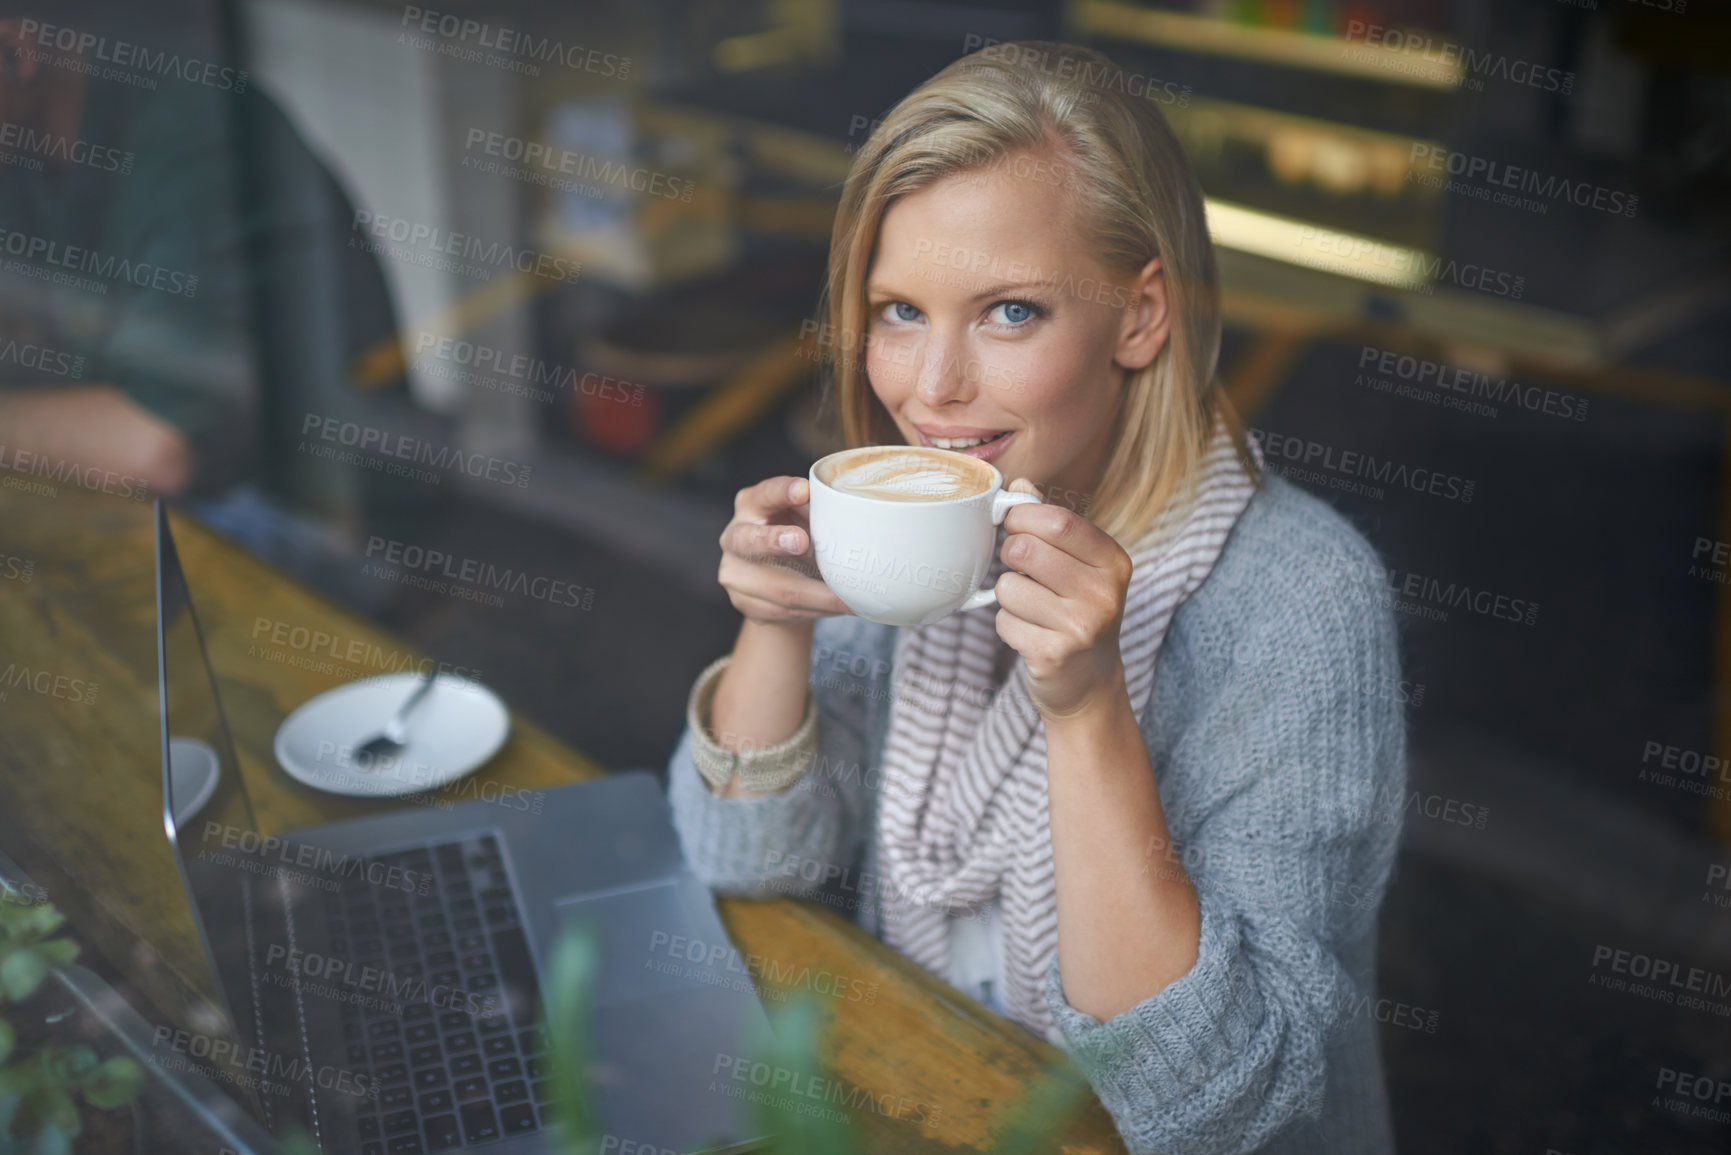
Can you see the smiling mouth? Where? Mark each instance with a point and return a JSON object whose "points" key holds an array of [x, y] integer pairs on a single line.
{"points": [[964, 442]]}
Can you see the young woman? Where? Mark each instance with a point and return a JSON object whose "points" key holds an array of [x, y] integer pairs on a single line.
{"points": [[1135, 807]]}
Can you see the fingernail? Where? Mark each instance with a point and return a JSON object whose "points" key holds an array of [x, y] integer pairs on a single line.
{"points": [[789, 539]]}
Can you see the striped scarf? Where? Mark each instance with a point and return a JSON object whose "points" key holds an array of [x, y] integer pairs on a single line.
{"points": [[951, 840]]}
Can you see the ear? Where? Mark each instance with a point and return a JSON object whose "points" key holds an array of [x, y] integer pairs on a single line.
{"points": [[1147, 319]]}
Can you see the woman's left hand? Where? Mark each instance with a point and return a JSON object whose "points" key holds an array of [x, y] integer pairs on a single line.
{"points": [[1060, 605]]}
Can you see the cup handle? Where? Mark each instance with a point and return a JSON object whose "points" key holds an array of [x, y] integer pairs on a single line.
{"points": [[1002, 502]]}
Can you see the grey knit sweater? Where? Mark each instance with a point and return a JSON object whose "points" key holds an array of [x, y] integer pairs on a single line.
{"points": [[1279, 750]]}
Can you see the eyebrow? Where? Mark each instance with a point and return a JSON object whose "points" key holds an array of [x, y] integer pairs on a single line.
{"points": [[876, 289]]}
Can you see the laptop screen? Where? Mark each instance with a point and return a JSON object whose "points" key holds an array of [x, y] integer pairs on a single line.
{"points": [[240, 897]]}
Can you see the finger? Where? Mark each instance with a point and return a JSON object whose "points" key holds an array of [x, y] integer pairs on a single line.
{"points": [[1023, 485], [763, 541], [1032, 602], [1039, 559], [1070, 532], [780, 587], [771, 496], [753, 607]]}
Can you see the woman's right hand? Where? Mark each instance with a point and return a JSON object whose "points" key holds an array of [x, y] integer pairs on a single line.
{"points": [[767, 567]]}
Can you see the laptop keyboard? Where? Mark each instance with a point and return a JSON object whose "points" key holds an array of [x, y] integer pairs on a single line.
{"points": [[464, 1062]]}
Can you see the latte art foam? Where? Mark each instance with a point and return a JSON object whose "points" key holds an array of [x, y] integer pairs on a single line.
{"points": [[907, 477]]}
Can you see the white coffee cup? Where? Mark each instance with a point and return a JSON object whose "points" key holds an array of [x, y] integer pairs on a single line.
{"points": [[910, 560]]}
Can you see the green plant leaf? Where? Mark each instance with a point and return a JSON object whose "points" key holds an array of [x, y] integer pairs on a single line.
{"points": [[55, 1109], [70, 1063], [51, 1140], [58, 952], [1046, 1108], [22, 972], [568, 995], [8, 1040], [298, 1142], [796, 1111], [113, 1083]]}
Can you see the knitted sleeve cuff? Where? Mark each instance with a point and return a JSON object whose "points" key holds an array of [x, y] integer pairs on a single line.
{"points": [[760, 769], [1206, 1055]]}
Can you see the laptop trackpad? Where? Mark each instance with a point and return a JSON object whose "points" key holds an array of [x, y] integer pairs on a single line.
{"points": [[689, 1043], [657, 937]]}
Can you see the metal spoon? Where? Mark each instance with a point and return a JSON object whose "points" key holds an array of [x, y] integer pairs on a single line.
{"points": [[396, 732]]}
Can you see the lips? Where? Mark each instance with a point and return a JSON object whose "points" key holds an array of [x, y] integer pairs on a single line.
{"points": [[974, 441]]}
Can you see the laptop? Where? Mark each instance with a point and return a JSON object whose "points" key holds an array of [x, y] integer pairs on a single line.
{"points": [[382, 978]]}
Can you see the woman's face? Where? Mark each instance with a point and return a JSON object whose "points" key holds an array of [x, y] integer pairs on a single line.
{"points": [[994, 330]]}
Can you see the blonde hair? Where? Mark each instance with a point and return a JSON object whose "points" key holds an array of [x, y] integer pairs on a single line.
{"points": [[1128, 175]]}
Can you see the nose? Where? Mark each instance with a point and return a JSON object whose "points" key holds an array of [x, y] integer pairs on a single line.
{"points": [[943, 377]]}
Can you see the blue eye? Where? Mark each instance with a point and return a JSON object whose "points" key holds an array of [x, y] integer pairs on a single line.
{"points": [[901, 311], [1015, 312]]}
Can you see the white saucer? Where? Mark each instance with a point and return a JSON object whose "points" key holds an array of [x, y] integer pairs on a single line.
{"points": [[193, 770], [457, 727]]}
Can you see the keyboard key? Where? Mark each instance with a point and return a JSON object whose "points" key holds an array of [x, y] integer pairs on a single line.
{"points": [[438, 938], [442, 958], [400, 930], [428, 1078], [400, 1121], [486, 980], [423, 1056], [517, 971], [415, 1011], [369, 947], [504, 1069], [465, 924], [405, 950], [406, 1145], [422, 1033], [501, 916], [387, 1052], [472, 942], [469, 1089], [539, 1068], [491, 1024], [357, 1054], [391, 1073], [436, 1102], [373, 1149], [518, 1119], [396, 1099], [384, 1029], [412, 970], [477, 962], [462, 1041], [510, 1092], [445, 978], [479, 1123], [453, 1021], [466, 1065], [499, 1045], [441, 1132]]}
